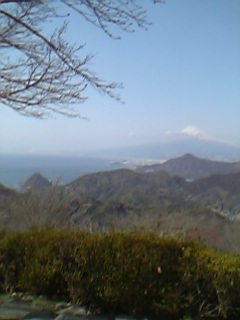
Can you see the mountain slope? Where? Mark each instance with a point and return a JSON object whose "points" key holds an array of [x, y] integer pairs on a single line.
{"points": [[191, 167], [36, 182]]}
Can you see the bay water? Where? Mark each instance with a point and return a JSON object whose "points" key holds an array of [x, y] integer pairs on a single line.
{"points": [[15, 169]]}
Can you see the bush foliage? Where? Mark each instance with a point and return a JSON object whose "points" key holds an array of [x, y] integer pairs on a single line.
{"points": [[138, 274]]}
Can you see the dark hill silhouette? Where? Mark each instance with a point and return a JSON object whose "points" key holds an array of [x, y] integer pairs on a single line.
{"points": [[121, 183], [191, 167], [7, 192], [36, 182]]}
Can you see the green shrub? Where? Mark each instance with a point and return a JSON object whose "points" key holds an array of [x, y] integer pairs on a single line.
{"points": [[42, 273], [132, 273], [12, 253]]}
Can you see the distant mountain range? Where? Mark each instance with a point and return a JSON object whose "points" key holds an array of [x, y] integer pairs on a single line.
{"points": [[191, 167], [165, 202]]}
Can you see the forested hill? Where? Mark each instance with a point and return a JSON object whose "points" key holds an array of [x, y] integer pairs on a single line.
{"points": [[123, 183], [191, 167]]}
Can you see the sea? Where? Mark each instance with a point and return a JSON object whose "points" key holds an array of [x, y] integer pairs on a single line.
{"points": [[15, 169]]}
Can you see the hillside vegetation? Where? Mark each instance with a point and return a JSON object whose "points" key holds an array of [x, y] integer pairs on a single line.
{"points": [[207, 208], [137, 274]]}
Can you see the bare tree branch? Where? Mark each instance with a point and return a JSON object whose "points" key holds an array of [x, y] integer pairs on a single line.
{"points": [[42, 74]]}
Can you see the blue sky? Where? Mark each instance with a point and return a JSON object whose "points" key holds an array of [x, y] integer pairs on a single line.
{"points": [[182, 76]]}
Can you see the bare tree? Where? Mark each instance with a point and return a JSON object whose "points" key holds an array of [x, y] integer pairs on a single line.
{"points": [[42, 74]]}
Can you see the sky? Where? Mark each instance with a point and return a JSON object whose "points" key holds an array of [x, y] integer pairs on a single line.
{"points": [[181, 76]]}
